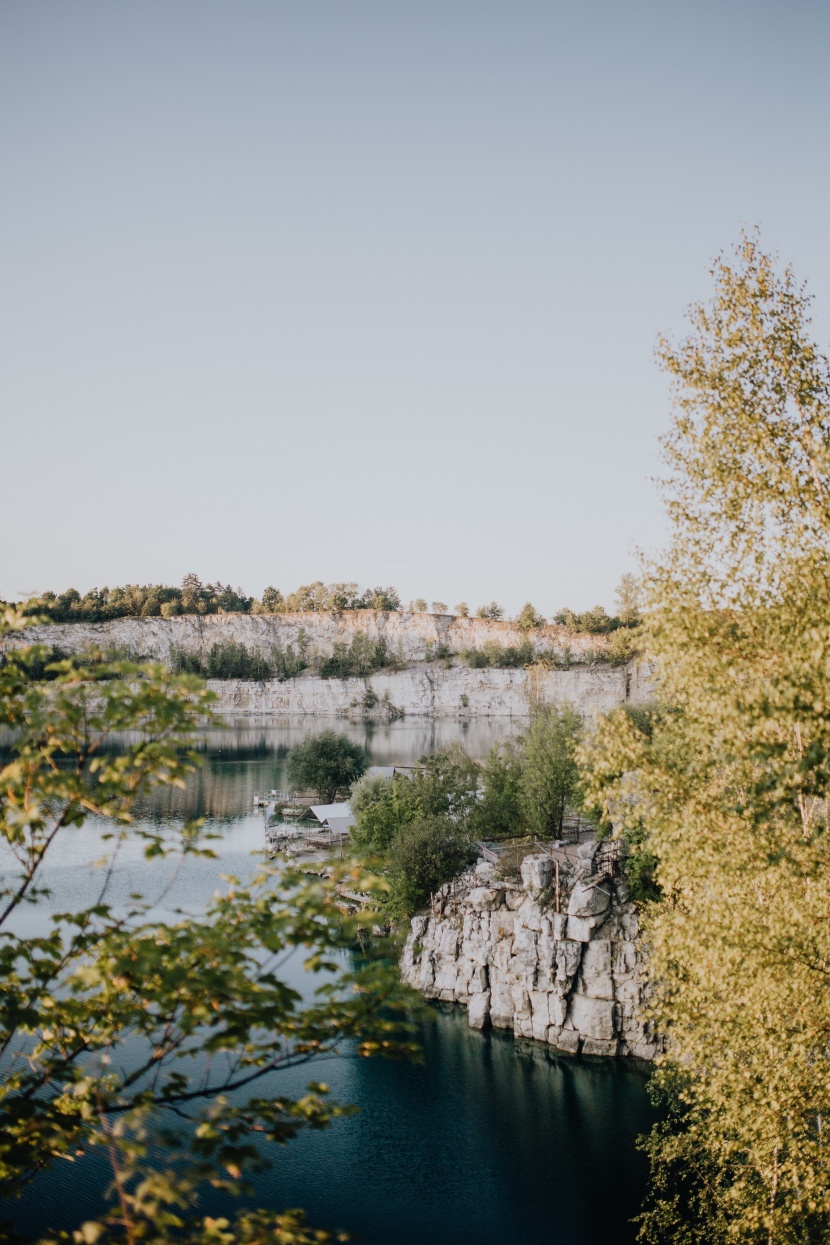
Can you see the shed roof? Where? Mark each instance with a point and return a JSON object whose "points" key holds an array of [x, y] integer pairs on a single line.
{"points": [[323, 812]]}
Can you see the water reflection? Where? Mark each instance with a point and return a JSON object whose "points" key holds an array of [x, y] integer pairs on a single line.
{"points": [[248, 755]]}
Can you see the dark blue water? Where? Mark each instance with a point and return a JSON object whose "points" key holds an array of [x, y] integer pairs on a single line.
{"points": [[487, 1141]]}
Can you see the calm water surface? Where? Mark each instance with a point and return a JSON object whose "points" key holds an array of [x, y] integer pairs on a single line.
{"points": [[488, 1141]]}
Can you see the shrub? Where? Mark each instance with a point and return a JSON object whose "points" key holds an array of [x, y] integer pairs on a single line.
{"points": [[549, 780], [509, 656], [498, 813], [424, 855], [357, 659], [380, 807], [529, 618], [326, 763], [493, 611]]}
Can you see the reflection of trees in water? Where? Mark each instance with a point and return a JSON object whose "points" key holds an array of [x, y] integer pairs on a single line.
{"points": [[404, 740], [220, 789], [248, 755]]}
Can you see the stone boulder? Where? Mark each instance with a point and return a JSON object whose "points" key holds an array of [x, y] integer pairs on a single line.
{"points": [[588, 901], [536, 873], [482, 899], [592, 1017]]}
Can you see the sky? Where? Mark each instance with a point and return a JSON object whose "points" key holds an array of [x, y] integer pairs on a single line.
{"points": [[351, 290]]}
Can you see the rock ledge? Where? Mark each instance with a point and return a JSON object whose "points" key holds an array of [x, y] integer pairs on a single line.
{"points": [[570, 978]]}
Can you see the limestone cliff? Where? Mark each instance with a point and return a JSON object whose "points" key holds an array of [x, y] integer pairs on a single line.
{"points": [[571, 978], [431, 690], [427, 688], [410, 637]]}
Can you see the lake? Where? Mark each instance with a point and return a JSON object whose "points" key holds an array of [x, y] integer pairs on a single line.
{"points": [[488, 1141]]}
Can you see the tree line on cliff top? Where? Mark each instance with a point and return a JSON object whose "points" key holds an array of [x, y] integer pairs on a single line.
{"points": [[195, 597]]}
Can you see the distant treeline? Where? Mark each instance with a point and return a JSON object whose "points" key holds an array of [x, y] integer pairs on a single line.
{"points": [[194, 597]]}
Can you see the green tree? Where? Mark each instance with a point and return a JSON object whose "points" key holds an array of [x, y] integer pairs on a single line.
{"points": [[462, 609], [549, 781], [435, 809], [325, 763], [498, 813], [731, 787], [627, 598], [272, 600], [493, 611], [529, 618], [104, 1018], [446, 785], [424, 855], [380, 807]]}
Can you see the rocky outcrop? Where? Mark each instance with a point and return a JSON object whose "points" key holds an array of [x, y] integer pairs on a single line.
{"points": [[571, 978], [409, 637], [429, 690]]}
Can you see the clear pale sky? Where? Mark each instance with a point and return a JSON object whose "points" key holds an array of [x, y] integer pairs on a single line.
{"points": [[350, 290]]}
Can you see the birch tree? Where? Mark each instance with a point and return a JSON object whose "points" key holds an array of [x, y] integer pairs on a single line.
{"points": [[730, 785]]}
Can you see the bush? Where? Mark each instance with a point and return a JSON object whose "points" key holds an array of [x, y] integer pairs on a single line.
{"points": [[380, 807], [226, 659], [493, 611], [326, 763], [530, 618], [502, 657], [549, 781], [498, 813], [34, 664], [357, 659], [425, 854]]}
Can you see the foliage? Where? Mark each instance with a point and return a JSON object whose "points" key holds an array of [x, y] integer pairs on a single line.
{"points": [[628, 598], [272, 601], [139, 601], [596, 621], [549, 781], [493, 611], [529, 617], [325, 763], [359, 658], [445, 784], [462, 609], [37, 666], [228, 660], [104, 1020], [503, 657], [439, 607], [440, 798], [621, 647], [319, 597], [380, 807], [498, 814], [194, 597], [424, 855], [731, 787]]}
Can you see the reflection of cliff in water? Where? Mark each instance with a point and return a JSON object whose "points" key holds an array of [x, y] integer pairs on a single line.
{"points": [[249, 754]]}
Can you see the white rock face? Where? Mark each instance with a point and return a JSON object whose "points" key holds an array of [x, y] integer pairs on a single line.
{"points": [[536, 872], [425, 689], [572, 981]]}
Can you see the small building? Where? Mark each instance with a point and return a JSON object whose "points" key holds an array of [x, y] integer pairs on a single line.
{"points": [[336, 818]]}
